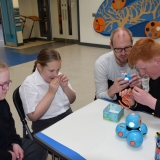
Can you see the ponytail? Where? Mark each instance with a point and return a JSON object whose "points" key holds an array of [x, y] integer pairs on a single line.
{"points": [[34, 67]]}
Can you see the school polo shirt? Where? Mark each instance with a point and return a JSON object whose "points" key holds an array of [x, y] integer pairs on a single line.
{"points": [[34, 88]]}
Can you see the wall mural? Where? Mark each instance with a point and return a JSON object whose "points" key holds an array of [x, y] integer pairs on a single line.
{"points": [[142, 17]]}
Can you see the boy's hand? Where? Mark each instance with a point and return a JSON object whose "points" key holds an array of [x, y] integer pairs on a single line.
{"points": [[135, 81]]}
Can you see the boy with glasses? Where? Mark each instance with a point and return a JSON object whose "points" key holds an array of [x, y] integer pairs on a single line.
{"points": [[110, 66]]}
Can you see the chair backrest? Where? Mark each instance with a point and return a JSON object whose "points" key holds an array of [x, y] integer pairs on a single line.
{"points": [[18, 104]]}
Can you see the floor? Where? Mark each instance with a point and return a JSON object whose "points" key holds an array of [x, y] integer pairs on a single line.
{"points": [[77, 63]]}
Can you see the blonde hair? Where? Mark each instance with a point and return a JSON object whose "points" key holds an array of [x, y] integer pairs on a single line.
{"points": [[144, 49], [3, 65], [46, 55]]}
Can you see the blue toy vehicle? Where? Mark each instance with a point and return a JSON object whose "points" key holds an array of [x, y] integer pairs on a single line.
{"points": [[133, 130]]}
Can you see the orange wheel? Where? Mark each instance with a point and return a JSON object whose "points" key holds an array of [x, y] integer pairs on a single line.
{"points": [[132, 143], [99, 24], [118, 4], [120, 134], [152, 29]]}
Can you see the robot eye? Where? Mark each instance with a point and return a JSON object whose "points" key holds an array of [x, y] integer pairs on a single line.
{"points": [[131, 124]]}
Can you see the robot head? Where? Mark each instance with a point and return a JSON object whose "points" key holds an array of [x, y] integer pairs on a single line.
{"points": [[126, 76], [133, 121]]}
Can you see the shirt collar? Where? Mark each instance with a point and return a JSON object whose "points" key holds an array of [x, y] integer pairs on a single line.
{"points": [[38, 78]]}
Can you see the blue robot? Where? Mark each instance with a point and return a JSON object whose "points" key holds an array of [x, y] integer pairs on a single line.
{"points": [[126, 76], [133, 130]]}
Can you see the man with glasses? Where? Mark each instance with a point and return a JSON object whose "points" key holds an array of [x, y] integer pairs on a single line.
{"points": [[110, 66], [145, 56]]}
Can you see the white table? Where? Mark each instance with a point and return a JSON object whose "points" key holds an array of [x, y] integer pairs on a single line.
{"points": [[88, 134]]}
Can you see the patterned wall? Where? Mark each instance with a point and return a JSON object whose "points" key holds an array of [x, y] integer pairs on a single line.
{"points": [[142, 17]]}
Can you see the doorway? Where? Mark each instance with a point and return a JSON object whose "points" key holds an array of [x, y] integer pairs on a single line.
{"points": [[64, 19], [44, 15], [8, 28], [1, 32]]}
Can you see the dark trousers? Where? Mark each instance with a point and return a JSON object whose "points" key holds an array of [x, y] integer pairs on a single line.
{"points": [[32, 150], [42, 124]]}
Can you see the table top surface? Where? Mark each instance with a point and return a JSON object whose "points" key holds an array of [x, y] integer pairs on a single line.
{"points": [[88, 134]]}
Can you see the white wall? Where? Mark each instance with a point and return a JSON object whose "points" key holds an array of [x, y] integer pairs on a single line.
{"points": [[15, 3], [87, 33]]}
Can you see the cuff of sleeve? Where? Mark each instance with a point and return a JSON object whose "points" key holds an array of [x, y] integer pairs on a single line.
{"points": [[16, 140], [157, 109], [114, 98], [134, 106], [5, 155]]}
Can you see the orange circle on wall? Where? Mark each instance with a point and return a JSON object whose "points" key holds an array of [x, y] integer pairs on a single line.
{"points": [[152, 29], [118, 4], [99, 24]]}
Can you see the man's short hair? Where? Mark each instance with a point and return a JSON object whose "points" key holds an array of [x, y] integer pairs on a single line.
{"points": [[144, 49], [119, 29]]}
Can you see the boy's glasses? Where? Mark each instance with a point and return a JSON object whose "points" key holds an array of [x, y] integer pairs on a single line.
{"points": [[6, 85], [126, 49]]}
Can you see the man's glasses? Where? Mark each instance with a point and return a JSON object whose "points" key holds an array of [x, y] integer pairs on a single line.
{"points": [[126, 49], [6, 85]]}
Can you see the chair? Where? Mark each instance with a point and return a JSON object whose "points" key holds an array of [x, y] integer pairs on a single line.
{"points": [[33, 18], [18, 104]]}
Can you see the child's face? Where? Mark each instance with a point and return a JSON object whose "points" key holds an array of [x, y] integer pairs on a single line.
{"points": [[4, 78], [148, 69], [50, 71]]}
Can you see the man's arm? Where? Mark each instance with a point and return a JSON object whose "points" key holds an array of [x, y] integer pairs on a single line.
{"points": [[103, 89], [101, 81]]}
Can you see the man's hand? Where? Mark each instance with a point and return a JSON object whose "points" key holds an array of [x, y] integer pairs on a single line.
{"points": [[118, 85], [18, 151], [135, 81]]}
